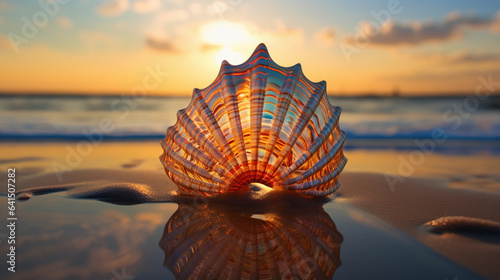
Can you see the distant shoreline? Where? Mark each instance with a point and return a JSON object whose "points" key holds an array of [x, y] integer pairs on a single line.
{"points": [[335, 95]]}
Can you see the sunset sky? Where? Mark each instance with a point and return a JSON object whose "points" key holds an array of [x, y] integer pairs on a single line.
{"points": [[357, 47]]}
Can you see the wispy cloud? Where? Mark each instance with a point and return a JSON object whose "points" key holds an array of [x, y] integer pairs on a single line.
{"points": [[215, 35], [444, 77], [475, 58], [113, 8], [173, 15], [417, 32], [157, 36], [176, 2], [195, 8], [160, 44], [496, 26], [146, 6], [461, 57], [326, 36], [285, 31]]}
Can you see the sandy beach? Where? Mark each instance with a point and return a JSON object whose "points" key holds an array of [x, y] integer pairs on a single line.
{"points": [[129, 177]]}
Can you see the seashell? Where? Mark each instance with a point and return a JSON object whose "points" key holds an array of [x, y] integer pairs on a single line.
{"points": [[257, 122], [212, 243]]}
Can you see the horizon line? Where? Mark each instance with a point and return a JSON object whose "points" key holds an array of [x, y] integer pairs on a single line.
{"points": [[180, 95]]}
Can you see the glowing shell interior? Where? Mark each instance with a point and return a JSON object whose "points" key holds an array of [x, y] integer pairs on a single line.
{"points": [[257, 122]]}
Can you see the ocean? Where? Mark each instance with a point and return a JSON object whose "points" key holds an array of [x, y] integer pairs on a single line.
{"points": [[466, 123], [410, 161]]}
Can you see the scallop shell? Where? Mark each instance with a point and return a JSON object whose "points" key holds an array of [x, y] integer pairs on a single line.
{"points": [[257, 122], [207, 243]]}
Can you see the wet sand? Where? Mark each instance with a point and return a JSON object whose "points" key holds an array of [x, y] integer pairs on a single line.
{"points": [[130, 173], [415, 202]]}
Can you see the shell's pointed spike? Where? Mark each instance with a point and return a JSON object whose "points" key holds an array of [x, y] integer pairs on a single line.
{"points": [[224, 63], [297, 70], [261, 51], [261, 47]]}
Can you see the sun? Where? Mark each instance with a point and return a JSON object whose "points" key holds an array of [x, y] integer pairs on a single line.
{"points": [[228, 36], [224, 33]]}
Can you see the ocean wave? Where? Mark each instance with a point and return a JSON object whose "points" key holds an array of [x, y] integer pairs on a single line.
{"points": [[389, 120]]}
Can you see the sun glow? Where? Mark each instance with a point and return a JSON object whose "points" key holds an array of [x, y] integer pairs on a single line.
{"points": [[228, 36], [231, 56], [224, 33]]}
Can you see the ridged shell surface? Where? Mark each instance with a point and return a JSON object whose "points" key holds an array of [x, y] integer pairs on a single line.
{"points": [[257, 122]]}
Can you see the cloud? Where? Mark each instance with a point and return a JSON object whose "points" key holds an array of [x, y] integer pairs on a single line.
{"points": [[284, 31], [415, 33], [173, 15], [474, 58], [156, 36], [195, 8], [146, 6], [176, 2], [64, 22], [326, 36], [456, 77], [160, 20], [210, 36], [160, 44], [460, 58], [496, 26], [113, 8]]}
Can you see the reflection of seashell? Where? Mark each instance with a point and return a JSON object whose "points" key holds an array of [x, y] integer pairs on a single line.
{"points": [[257, 122], [207, 243]]}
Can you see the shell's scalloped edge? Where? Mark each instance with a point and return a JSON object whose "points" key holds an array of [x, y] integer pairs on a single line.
{"points": [[260, 52]]}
